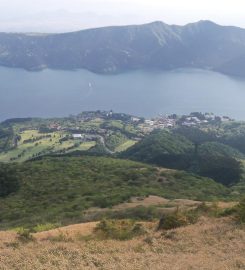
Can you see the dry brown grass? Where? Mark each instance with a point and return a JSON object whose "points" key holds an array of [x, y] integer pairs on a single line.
{"points": [[70, 231], [165, 204], [211, 244], [137, 201]]}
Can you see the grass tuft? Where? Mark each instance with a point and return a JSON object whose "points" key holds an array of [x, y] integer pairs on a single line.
{"points": [[118, 229]]}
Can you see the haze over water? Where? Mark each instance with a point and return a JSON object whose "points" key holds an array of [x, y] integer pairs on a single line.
{"points": [[51, 93]]}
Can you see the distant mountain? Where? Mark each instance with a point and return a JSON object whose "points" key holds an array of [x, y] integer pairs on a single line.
{"points": [[157, 45]]}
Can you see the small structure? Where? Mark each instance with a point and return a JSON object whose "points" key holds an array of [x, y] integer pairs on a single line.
{"points": [[77, 136], [135, 119]]}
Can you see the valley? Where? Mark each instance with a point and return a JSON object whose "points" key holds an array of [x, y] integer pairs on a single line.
{"points": [[122, 137]]}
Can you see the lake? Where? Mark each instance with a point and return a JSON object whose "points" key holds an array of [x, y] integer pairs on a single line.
{"points": [[52, 93]]}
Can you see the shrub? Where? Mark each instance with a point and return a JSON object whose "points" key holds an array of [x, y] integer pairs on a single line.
{"points": [[208, 210], [177, 219], [118, 229], [240, 212], [61, 237], [45, 227], [8, 181], [24, 235], [228, 212], [223, 169], [172, 221]]}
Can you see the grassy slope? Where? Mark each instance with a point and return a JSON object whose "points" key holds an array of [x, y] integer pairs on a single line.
{"points": [[125, 146], [60, 189], [210, 244]]}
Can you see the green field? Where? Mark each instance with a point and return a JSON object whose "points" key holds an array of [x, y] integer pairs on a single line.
{"points": [[41, 146], [124, 146], [24, 139]]}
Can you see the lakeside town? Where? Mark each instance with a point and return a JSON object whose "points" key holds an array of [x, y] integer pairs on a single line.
{"points": [[98, 131], [146, 126]]}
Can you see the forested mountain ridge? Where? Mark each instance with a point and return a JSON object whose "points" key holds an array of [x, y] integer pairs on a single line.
{"points": [[156, 45]]}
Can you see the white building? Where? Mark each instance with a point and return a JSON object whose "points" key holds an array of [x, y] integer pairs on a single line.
{"points": [[149, 122], [77, 136]]}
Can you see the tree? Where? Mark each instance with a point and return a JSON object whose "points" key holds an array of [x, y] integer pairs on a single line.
{"points": [[196, 136], [8, 181], [223, 169]]}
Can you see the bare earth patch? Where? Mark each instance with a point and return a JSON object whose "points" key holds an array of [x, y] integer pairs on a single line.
{"points": [[151, 200], [137, 201], [70, 231], [211, 244]]}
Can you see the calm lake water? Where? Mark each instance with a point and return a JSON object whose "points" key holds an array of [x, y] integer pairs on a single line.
{"points": [[59, 93]]}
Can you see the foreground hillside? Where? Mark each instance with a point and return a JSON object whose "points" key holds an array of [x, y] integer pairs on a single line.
{"points": [[60, 189], [210, 244]]}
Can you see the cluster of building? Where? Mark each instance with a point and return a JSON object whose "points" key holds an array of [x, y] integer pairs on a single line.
{"points": [[55, 126], [161, 122], [196, 119], [191, 120], [84, 137], [144, 125]]}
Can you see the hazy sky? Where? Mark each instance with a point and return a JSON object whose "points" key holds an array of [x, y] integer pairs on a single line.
{"points": [[69, 15]]}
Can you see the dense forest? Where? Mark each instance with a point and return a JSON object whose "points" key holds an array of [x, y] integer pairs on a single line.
{"points": [[193, 150]]}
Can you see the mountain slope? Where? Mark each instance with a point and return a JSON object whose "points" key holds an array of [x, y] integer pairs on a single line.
{"points": [[61, 189], [194, 153], [116, 49], [161, 147]]}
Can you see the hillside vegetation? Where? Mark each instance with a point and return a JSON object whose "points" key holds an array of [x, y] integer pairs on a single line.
{"points": [[61, 189], [64, 177], [190, 149]]}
